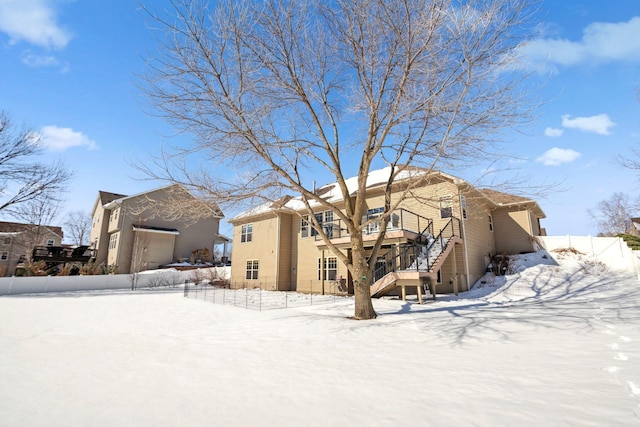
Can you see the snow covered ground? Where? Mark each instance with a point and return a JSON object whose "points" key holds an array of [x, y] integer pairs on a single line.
{"points": [[556, 343]]}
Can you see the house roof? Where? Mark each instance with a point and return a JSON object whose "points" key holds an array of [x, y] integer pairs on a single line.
{"points": [[501, 199], [152, 229], [331, 193], [17, 227], [106, 197], [119, 199]]}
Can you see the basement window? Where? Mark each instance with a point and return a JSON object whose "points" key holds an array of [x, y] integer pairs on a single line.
{"points": [[253, 266]]}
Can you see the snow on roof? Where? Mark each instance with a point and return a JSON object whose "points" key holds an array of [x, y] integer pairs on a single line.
{"points": [[330, 192]]}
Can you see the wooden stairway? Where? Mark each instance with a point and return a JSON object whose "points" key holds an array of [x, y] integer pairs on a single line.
{"points": [[389, 282]]}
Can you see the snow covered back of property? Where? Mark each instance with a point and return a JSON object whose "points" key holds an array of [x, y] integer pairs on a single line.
{"points": [[554, 342]]}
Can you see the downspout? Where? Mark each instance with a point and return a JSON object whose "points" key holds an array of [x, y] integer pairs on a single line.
{"points": [[277, 275], [322, 272], [464, 244]]}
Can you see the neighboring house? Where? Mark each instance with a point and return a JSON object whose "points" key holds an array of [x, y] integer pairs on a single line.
{"points": [[17, 242], [151, 229], [635, 226], [443, 235]]}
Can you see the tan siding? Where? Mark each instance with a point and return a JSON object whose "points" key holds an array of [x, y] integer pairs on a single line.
{"points": [[307, 263], [262, 248], [151, 250], [301, 255], [535, 224], [284, 255], [479, 241], [512, 231]]}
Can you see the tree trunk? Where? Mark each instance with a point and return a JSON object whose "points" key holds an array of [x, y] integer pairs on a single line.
{"points": [[361, 282]]}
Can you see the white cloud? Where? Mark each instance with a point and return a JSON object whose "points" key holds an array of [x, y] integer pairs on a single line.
{"points": [[601, 42], [553, 132], [599, 124], [33, 21], [557, 156], [60, 139]]}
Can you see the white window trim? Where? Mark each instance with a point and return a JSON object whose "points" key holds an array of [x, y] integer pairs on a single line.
{"points": [[330, 265], [446, 202], [250, 268], [246, 233]]}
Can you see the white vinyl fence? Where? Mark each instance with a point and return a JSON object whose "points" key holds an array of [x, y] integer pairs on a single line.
{"points": [[148, 279], [612, 251]]}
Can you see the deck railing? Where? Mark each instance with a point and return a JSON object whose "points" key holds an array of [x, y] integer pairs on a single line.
{"points": [[62, 254], [400, 219], [417, 256]]}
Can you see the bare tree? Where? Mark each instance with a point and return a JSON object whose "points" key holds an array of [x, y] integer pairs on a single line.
{"points": [[613, 215], [39, 215], [278, 90], [22, 178], [78, 226]]}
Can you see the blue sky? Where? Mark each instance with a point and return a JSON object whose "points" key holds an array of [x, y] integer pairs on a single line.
{"points": [[69, 68]]}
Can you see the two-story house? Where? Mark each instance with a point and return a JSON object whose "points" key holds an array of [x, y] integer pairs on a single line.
{"points": [[17, 241], [150, 229], [444, 234]]}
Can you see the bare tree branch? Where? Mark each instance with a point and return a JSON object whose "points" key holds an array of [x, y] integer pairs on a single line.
{"points": [[276, 91], [78, 226], [22, 179]]}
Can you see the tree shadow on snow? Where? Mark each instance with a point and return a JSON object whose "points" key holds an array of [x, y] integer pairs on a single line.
{"points": [[548, 299]]}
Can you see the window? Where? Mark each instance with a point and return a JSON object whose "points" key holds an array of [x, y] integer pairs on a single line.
{"points": [[7, 240], [324, 218], [330, 269], [246, 233], [439, 277], [4, 256], [463, 204], [304, 226], [374, 227], [446, 207], [50, 242], [252, 269], [490, 223], [113, 241], [327, 224]]}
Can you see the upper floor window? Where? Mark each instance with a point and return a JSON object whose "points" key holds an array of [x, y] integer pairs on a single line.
{"points": [[7, 240], [373, 213], [50, 242], [463, 205], [4, 256], [325, 219], [490, 223], [246, 233], [304, 226], [446, 207]]}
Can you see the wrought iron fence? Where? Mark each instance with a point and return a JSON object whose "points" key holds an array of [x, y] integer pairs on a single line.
{"points": [[257, 298]]}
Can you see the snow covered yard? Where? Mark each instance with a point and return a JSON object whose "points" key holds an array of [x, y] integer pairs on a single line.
{"points": [[552, 344]]}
